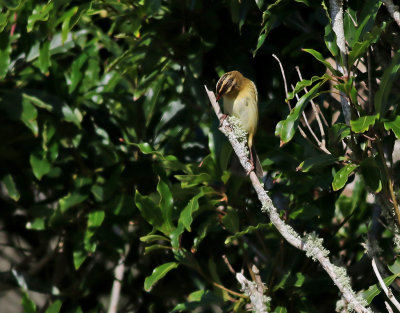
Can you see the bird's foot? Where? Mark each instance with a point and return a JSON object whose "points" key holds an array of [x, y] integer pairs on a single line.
{"points": [[223, 118]]}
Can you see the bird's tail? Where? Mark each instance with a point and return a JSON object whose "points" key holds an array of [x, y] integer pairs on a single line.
{"points": [[237, 168]]}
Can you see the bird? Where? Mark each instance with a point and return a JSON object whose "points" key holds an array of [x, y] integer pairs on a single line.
{"points": [[240, 99]]}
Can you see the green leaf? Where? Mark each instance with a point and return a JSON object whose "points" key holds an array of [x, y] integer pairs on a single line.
{"points": [[44, 61], [27, 304], [37, 224], [349, 21], [342, 176], [152, 238], [376, 289], [330, 40], [54, 307], [185, 217], [395, 267], [305, 83], [40, 166], [166, 203], [95, 219], [150, 104], [260, 42], [338, 132], [5, 51], [11, 188], [363, 123], [54, 105], [371, 174], [71, 200], [79, 257], [389, 76], [29, 115], [66, 18], [393, 126], [367, 18], [280, 309], [39, 13], [231, 220], [158, 273], [12, 4], [149, 210], [316, 162], [247, 230], [287, 128], [359, 48], [321, 59]]}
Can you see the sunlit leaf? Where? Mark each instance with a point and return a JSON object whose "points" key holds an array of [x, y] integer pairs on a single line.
{"points": [[393, 126], [363, 123], [341, 177], [158, 273]]}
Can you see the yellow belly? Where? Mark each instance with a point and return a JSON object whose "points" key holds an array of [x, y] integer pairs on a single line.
{"points": [[245, 109]]}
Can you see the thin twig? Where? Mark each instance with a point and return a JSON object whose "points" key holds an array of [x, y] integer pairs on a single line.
{"points": [[388, 308], [228, 264], [387, 290], [311, 245], [322, 144], [370, 105], [284, 81]]}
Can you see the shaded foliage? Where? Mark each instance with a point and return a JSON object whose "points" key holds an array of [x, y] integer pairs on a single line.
{"points": [[110, 151]]}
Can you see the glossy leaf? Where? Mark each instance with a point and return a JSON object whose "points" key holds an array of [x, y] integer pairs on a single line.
{"points": [[186, 216], [40, 166], [316, 162], [158, 273], [393, 126], [27, 304], [287, 128], [389, 77], [166, 203], [71, 200], [95, 219], [11, 188], [317, 55], [54, 307], [5, 51], [376, 289], [149, 210], [363, 123], [341, 177]]}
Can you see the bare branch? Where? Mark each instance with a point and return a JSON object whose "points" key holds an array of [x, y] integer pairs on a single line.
{"points": [[116, 288], [393, 10], [311, 244], [257, 299], [336, 9]]}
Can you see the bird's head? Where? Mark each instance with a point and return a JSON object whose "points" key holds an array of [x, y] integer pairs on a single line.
{"points": [[229, 84]]}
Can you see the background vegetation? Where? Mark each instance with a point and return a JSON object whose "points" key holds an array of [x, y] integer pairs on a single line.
{"points": [[110, 153]]}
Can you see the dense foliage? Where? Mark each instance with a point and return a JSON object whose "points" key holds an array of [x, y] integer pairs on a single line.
{"points": [[111, 153]]}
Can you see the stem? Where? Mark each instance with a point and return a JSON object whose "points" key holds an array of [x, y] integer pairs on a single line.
{"points": [[389, 180]]}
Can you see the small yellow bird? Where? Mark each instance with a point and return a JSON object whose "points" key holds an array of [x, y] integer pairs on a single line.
{"points": [[240, 100]]}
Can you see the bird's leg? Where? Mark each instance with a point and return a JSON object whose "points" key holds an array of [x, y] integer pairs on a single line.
{"points": [[251, 162], [223, 118]]}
